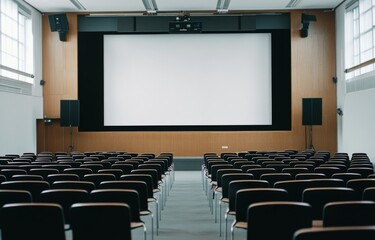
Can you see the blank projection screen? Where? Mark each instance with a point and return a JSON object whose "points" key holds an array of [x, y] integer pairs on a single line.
{"points": [[187, 79]]}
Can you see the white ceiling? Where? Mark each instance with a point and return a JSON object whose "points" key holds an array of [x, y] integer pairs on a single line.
{"points": [[175, 5]]}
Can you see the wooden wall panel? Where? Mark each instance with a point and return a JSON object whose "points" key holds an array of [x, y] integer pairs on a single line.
{"points": [[313, 66]]}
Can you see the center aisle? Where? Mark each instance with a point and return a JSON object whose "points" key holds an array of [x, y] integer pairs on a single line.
{"points": [[186, 215]]}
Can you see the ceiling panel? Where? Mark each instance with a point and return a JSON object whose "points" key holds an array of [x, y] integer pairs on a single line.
{"points": [[174, 5], [185, 5], [113, 5], [319, 4], [52, 5], [255, 5]]}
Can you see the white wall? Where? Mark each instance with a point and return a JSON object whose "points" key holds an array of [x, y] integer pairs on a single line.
{"points": [[19, 112], [356, 128]]}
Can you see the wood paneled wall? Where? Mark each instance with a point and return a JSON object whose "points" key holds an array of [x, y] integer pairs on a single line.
{"points": [[313, 66]]}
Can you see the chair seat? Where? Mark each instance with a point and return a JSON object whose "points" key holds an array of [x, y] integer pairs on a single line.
{"points": [[226, 200], [145, 213], [317, 223], [231, 213], [219, 189], [135, 225], [242, 225]]}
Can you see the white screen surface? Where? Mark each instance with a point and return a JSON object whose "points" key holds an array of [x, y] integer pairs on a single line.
{"points": [[187, 80]]}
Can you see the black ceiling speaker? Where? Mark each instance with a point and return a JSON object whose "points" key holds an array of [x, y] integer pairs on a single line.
{"points": [[59, 23], [305, 20]]}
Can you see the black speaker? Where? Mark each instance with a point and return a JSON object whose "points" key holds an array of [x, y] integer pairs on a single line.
{"points": [[59, 23], [69, 113], [311, 111]]}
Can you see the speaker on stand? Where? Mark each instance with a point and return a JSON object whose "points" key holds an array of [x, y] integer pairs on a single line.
{"points": [[69, 117], [311, 115]]}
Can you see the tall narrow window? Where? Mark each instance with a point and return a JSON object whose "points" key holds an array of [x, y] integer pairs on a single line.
{"points": [[16, 42]]}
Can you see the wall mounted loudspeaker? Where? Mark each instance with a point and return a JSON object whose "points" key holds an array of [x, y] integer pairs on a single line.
{"points": [[69, 113], [311, 111], [305, 20], [59, 23]]}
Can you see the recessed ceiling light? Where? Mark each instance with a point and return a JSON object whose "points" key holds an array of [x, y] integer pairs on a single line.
{"points": [[293, 3]]}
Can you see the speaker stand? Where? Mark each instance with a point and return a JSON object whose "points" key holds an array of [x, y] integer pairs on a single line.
{"points": [[71, 146], [310, 145]]}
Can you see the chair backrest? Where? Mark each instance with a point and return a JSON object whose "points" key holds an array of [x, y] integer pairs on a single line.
{"points": [[346, 176], [34, 187], [14, 196], [78, 171], [294, 188], [27, 177], [236, 185], [139, 186], [44, 172], [227, 178], [336, 233], [62, 177], [246, 197], [157, 167], [59, 167], [116, 172], [318, 197], [359, 185], [65, 198], [295, 171], [328, 171], [97, 178], [42, 221], [152, 172], [369, 194], [271, 178], [84, 185], [257, 172], [97, 221], [147, 178], [125, 167], [246, 167], [277, 220], [127, 196], [364, 171], [351, 213], [215, 168], [221, 172], [8, 173], [306, 176]]}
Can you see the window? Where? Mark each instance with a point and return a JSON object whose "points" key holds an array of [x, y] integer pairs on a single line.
{"points": [[16, 42]]}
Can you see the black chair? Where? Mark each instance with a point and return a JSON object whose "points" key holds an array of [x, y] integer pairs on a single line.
{"points": [[81, 172], [43, 221], [346, 176], [97, 178], [364, 171], [116, 172], [234, 187], [246, 197], [98, 221], [257, 172], [271, 178], [359, 185], [14, 196], [62, 177], [277, 220], [328, 171], [318, 197], [336, 233], [8, 173], [294, 171], [294, 188], [34, 187], [369, 194], [65, 198], [129, 197], [144, 194], [351, 213], [44, 172]]}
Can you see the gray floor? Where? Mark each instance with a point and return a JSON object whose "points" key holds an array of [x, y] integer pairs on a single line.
{"points": [[187, 215]]}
